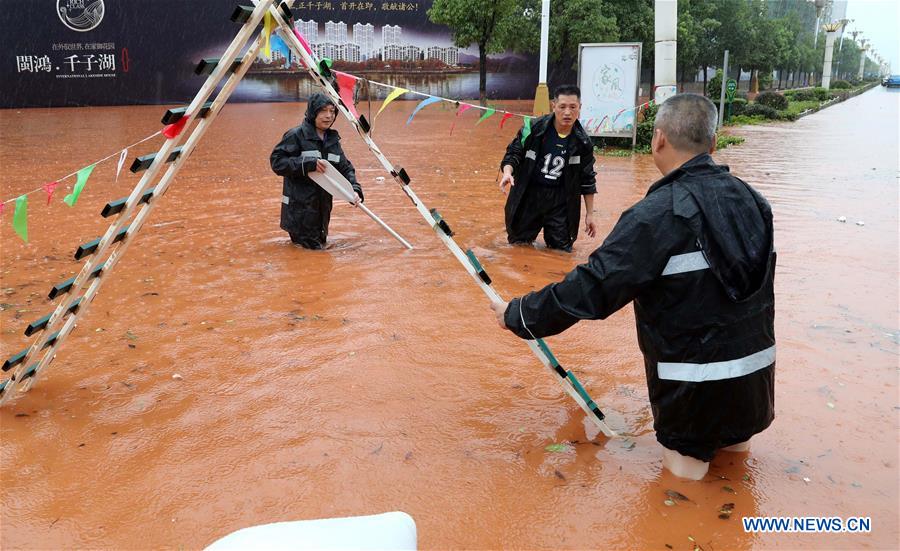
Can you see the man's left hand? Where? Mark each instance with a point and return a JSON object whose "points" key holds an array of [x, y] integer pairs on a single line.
{"points": [[500, 311], [590, 226]]}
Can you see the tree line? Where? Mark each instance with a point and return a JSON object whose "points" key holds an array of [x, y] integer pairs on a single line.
{"points": [[762, 36]]}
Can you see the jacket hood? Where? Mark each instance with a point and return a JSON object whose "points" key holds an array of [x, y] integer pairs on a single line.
{"points": [[738, 235], [316, 103]]}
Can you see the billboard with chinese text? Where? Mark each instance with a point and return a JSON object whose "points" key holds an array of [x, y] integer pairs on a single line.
{"points": [[122, 52]]}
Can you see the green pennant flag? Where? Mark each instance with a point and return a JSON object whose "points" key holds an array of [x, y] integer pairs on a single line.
{"points": [[526, 129], [83, 176], [20, 217], [487, 115]]}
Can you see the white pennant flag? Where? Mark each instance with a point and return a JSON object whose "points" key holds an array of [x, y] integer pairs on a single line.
{"points": [[122, 157]]}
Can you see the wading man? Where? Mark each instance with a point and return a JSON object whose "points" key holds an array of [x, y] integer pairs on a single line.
{"points": [[696, 257], [547, 174]]}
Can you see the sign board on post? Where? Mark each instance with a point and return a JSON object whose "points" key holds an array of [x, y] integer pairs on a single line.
{"points": [[730, 89], [609, 77]]}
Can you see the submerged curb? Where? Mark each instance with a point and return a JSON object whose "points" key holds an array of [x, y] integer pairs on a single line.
{"points": [[838, 99]]}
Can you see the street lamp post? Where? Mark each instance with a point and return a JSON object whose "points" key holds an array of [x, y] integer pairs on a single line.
{"points": [[542, 94], [844, 23], [862, 59], [830, 30], [820, 5], [665, 19]]}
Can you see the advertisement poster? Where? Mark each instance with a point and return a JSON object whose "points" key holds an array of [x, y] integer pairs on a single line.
{"points": [[609, 77], [124, 52]]}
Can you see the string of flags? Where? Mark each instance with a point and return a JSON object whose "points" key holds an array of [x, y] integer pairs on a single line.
{"points": [[20, 213], [347, 83]]}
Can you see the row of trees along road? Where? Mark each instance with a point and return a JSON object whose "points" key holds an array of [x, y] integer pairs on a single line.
{"points": [[761, 35]]}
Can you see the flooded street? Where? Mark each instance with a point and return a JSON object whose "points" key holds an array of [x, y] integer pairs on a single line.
{"points": [[368, 378]]}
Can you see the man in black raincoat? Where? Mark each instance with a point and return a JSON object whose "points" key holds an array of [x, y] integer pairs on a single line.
{"points": [[306, 207], [696, 257], [548, 173]]}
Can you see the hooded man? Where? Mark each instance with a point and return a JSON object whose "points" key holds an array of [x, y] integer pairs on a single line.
{"points": [[306, 207], [696, 257], [548, 173]]}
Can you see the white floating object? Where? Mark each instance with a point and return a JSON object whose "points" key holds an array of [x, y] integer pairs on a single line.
{"points": [[394, 530], [379, 178], [860, 223], [842, 219], [177, 377]]}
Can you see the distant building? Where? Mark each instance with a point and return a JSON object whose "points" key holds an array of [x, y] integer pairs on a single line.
{"points": [[309, 30], [390, 35], [326, 49], [401, 52], [349, 52], [364, 37], [450, 56], [336, 33]]}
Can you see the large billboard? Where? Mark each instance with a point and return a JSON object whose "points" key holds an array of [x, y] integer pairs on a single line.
{"points": [[119, 52]]}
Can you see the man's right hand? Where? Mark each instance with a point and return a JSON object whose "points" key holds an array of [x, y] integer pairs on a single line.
{"points": [[506, 180], [320, 166]]}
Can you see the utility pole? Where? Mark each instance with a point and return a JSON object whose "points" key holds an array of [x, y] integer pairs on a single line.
{"points": [[722, 93], [831, 31], [542, 94], [665, 18]]}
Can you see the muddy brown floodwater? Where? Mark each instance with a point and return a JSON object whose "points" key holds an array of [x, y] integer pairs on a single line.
{"points": [[368, 379]]}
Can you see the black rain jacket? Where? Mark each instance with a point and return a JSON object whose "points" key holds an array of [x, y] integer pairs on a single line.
{"points": [[696, 256], [306, 207], [579, 177]]}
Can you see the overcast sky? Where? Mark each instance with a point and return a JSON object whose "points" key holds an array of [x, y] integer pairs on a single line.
{"points": [[879, 20]]}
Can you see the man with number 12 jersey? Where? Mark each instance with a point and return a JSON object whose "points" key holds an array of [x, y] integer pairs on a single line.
{"points": [[546, 173]]}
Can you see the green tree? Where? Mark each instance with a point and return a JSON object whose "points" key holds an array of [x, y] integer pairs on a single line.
{"points": [[689, 30], [572, 22], [486, 23], [634, 20]]}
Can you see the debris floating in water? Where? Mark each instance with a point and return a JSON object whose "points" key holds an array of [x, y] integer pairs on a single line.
{"points": [[842, 219], [177, 377], [860, 223]]}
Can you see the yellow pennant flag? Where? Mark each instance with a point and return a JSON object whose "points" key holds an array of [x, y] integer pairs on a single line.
{"points": [[268, 27], [395, 93]]}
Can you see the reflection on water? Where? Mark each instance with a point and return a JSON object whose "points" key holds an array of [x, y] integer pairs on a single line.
{"points": [[296, 87]]}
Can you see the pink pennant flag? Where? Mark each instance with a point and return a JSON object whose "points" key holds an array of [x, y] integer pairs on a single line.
{"points": [[505, 117], [346, 85], [49, 189], [174, 129], [463, 107], [303, 41], [2, 208]]}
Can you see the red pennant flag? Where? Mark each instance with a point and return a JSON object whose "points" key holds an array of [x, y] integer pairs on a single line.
{"points": [[174, 129], [346, 85], [49, 189], [2, 207], [462, 109], [505, 116]]}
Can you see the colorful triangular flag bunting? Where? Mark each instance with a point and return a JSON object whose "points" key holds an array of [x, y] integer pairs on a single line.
{"points": [[83, 176], [20, 217]]}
